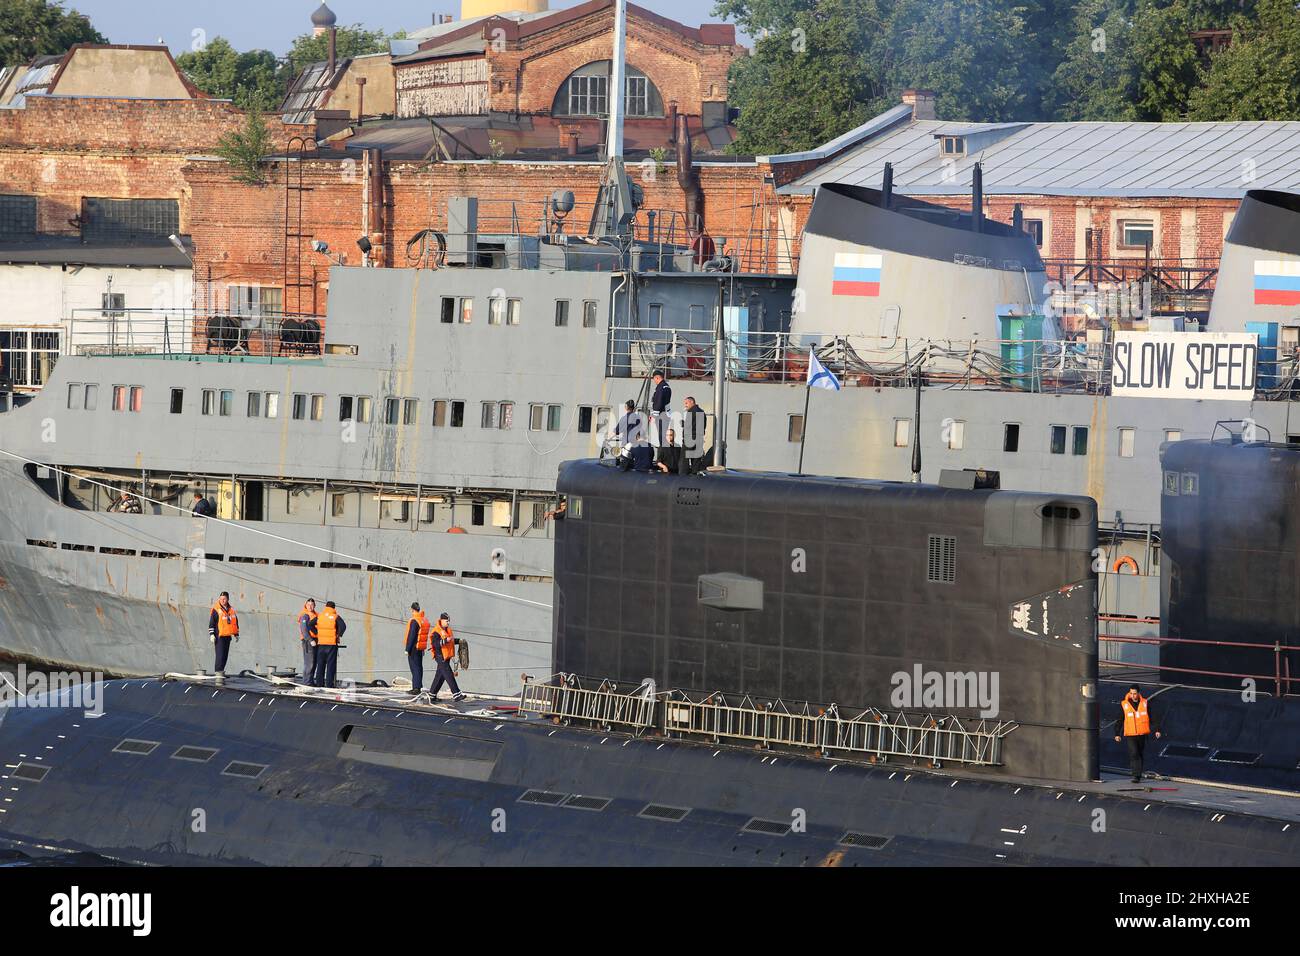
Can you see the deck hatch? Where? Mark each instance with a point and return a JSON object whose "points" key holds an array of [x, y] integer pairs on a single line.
{"points": [[32, 773], [544, 797], [140, 747], [579, 802], [194, 754], [240, 768], [1194, 751], [1244, 757], [656, 811], [769, 827], [866, 841], [942, 566]]}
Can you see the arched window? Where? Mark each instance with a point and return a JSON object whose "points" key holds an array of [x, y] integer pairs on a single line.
{"points": [[586, 93]]}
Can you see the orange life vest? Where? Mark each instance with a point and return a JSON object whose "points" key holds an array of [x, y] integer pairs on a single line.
{"points": [[422, 640], [311, 615], [445, 644], [327, 627], [227, 621], [1136, 720]]}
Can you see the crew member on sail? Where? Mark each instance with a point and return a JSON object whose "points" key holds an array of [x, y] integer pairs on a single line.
{"points": [[223, 625], [329, 628], [444, 649], [659, 402], [307, 635], [417, 642], [1136, 724]]}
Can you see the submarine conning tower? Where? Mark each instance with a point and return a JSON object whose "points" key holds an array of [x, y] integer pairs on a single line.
{"points": [[1259, 272], [837, 591], [876, 263]]}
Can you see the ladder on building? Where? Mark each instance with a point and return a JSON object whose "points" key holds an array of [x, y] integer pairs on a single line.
{"points": [[294, 237], [872, 735]]}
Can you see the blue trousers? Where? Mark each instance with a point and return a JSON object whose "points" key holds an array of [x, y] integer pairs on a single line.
{"points": [[416, 660], [308, 661], [327, 656], [223, 653], [444, 674]]}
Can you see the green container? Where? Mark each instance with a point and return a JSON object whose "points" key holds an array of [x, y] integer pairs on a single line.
{"points": [[1022, 347]]}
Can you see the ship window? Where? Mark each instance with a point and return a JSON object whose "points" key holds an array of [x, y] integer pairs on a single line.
{"points": [[75, 392], [457, 414], [1127, 440], [586, 414], [589, 313], [299, 406], [466, 310], [942, 565], [317, 408], [119, 398], [477, 514], [1171, 482], [209, 401], [488, 417], [1173, 434], [227, 402], [254, 404], [744, 425], [92, 397], [410, 411], [656, 317], [902, 432], [956, 435], [395, 511], [794, 428], [553, 415], [271, 404], [1191, 484], [178, 401], [561, 313], [1080, 439], [536, 417], [496, 311], [448, 309], [514, 311], [345, 408], [1058, 439], [439, 413], [137, 398], [338, 505], [390, 411]]}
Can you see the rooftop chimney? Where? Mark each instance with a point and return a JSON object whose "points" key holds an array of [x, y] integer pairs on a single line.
{"points": [[922, 103]]}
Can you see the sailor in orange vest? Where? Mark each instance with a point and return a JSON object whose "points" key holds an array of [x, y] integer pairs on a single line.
{"points": [[307, 635], [417, 642], [223, 624], [444, 649], [1135, 723], [329, 628]]}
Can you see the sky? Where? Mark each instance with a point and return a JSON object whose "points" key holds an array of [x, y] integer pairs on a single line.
{"points": [[273, 24]]}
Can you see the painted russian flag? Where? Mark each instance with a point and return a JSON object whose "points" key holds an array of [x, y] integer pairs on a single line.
{"points": [[856, 273], [1277, 282]]}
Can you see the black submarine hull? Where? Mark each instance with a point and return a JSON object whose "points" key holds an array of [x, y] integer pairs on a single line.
{"points": [[179, 772]]}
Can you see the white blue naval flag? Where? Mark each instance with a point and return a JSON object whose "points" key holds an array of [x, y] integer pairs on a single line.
{"points": [[819, 376]]}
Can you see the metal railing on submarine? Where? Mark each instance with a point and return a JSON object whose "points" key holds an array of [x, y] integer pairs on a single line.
{"points": [[872, 735]]}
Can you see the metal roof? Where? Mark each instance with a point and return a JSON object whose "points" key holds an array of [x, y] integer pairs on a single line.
{"points": [[1200, 160], [60, 251], [311, 90]]}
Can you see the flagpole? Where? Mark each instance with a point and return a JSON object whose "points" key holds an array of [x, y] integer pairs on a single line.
{"points": [[803, 432]]}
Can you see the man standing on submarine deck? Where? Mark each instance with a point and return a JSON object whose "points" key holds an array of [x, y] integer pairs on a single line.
{"points": [[1135, 725]]}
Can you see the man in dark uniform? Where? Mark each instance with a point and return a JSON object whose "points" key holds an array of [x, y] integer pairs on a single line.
{"points": [[670, 455], [630, 428], [444, 649], [330, 627], [417, 642], [695, 422], [307, 635], [663, 394], [1135, 725]]}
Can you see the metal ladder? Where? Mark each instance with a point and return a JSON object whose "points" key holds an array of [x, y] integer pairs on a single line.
{"points": [[873, 735]]}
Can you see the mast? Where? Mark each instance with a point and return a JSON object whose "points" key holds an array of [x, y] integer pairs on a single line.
{"points": [[614, 134]]}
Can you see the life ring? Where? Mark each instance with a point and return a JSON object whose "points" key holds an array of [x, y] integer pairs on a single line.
{"points": [[1126, 561]]}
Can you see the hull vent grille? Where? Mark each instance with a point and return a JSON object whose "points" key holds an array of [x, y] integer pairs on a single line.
{"points": [[544, 797], [656, 811], [579, 802], [196, 754], [1183, 750], [867, 841], [238, 768], [30, 772], [141, 747], [770, 827]]}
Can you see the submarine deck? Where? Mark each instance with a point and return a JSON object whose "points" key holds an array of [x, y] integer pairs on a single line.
{"points": [[1155, 789]]}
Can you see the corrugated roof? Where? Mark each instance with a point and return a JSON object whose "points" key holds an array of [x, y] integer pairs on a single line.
{"points": [[1199, 160], [59, 250], [311, 90]]}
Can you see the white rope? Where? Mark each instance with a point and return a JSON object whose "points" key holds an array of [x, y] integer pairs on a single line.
{"points": [[301, 544]]}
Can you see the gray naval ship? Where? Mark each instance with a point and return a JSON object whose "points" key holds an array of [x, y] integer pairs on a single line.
{"points": [[408, 450]]}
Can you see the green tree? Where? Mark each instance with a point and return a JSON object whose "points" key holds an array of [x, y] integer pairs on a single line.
{"points": [[355, 40], [245, 149], [32, 28], [1164, 59], [250, 79], [1258, 76], [1095, 79]]}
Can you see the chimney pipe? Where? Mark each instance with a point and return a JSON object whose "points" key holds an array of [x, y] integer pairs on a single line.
{"points": [[1018, 218], [334, 40], [977, 199], [688, 177], [887, 187], [361, 98]]}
